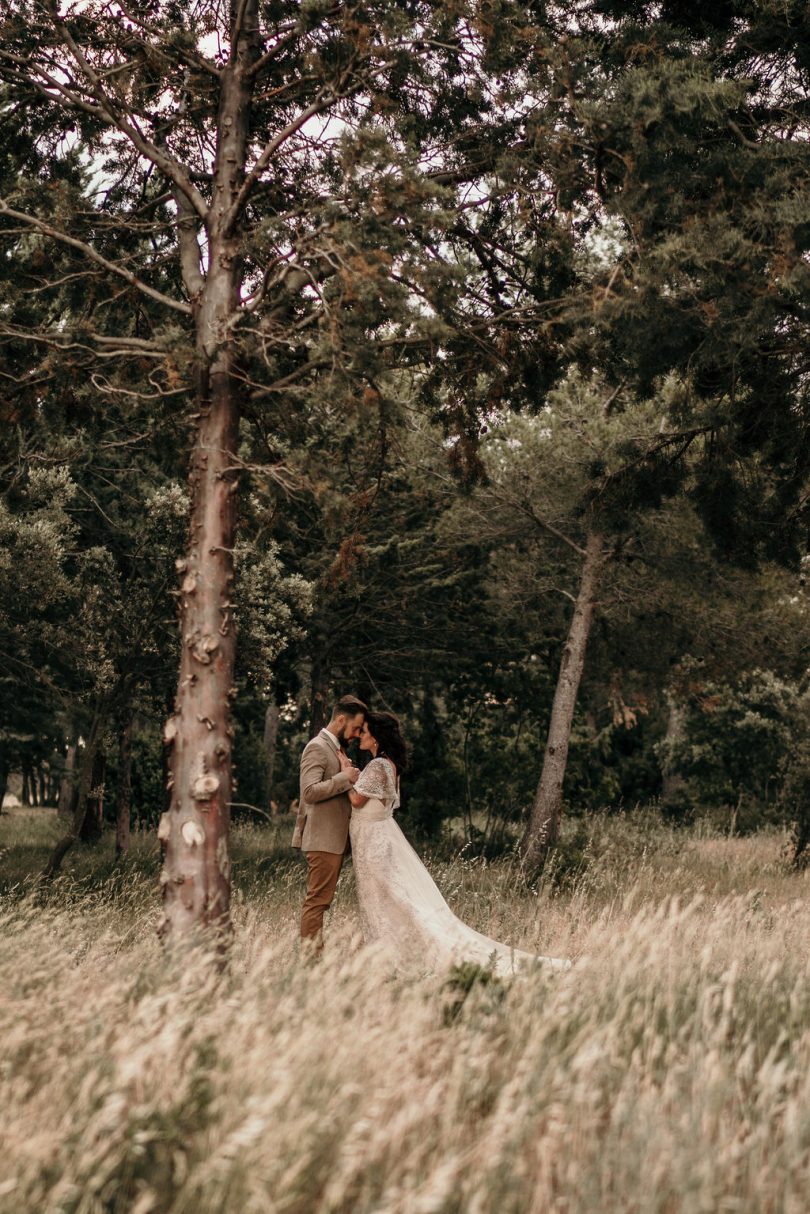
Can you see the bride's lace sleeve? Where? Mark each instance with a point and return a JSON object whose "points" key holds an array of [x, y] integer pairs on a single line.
{"points": [[377, 780]]}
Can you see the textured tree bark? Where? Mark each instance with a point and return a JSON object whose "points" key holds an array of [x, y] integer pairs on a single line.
{"points": [[82, 792], [544, 821], [194, 830], [123, 800], [196, 872], [25, 791], [271, 717], [66, 786]]}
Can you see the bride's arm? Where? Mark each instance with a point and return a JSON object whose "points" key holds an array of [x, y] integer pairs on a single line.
{"points": [[371, 783]]}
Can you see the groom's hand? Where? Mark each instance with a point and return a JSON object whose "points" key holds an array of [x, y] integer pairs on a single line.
{"points": [[348, 767]]}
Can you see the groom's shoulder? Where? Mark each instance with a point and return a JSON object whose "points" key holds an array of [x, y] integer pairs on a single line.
{"points": [[315, 743], [315, 751]]}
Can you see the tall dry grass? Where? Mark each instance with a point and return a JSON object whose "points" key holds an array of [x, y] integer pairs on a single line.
{"points": [[668, 1071]]}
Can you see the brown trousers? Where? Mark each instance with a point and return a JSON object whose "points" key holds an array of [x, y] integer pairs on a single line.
{"points": [[323, 870]]}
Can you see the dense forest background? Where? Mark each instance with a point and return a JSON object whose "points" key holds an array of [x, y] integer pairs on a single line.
{"points": [[443, 602], [456, 354], [547, 353]]}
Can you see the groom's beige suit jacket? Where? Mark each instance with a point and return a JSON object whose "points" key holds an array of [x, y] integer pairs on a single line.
{"points": [[324, 807]]}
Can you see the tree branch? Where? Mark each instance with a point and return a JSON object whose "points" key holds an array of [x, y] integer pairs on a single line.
{"points": [[316, 107], [190, 58], [132, 345], [193, 278], [238, 22], [170, 167], [544, 525], [270, 54], [104, 385], [88, 250]]}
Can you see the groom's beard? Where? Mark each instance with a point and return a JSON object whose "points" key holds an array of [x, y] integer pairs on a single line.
{"points": [[341, 737]]}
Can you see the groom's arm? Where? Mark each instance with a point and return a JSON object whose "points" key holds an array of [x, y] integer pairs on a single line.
{"points": [[315, 784]]}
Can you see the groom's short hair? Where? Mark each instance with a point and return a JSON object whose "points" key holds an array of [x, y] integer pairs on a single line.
{"points": [[349, 706]]}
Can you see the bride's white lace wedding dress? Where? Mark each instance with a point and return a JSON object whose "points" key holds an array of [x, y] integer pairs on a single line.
{"points": [[401, 907]]}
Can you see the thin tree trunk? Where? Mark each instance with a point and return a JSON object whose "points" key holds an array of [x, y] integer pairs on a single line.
{"points": [[468, 801], [25, 791], [4, 773], [319, 685], [271, 718], [93, 819], [671, 781], [124, 783], [66, 785], [81, 794], [194, 831], [544, 822], [801, 837]]}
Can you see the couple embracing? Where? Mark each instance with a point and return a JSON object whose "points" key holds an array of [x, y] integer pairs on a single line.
{"points": [[401, 907]]}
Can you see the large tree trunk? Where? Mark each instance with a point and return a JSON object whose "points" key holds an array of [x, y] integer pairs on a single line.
{"points": [[544, 822], [123, 789], [271, 718], [82, 791], [196, 872], [194, 831]]}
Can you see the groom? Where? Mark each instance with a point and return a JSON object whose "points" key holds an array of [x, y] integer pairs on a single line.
{"points": [[324, 809]]}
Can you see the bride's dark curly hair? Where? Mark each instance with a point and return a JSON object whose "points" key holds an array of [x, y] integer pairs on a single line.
{"points": [[384, 729]]}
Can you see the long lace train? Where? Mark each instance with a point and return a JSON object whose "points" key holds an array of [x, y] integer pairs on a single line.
{"points": [[402, 908]]}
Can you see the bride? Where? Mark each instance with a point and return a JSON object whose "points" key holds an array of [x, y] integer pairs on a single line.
{"points": [[401, 906]]}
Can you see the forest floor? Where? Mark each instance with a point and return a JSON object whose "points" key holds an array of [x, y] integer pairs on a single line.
{"points": [[668, 1071]]}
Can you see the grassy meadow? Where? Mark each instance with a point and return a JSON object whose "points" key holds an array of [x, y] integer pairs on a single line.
{"points": [[668, 1071]]}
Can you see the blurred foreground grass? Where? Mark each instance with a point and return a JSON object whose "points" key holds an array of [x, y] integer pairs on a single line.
{"points": [[668, 1071]]}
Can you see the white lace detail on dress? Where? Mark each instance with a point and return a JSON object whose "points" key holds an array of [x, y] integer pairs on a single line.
{"points": [[377, 780], [401, 907]]}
